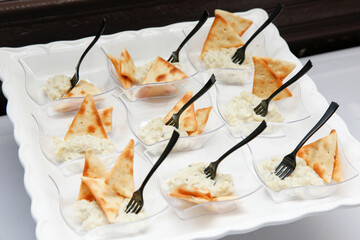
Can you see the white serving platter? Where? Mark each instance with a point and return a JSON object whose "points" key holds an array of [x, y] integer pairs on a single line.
{"points": [[256, 212]]}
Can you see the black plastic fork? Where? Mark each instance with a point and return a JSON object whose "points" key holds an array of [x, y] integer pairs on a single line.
{"points": [[210, 171], [262, 108], [75, 79], [136, 202], [239, 55], [175, 118], [175, 55], [288, 164]]}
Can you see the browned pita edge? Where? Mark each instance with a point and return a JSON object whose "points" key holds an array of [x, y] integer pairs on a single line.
{"points": [[106, 118], [127, 66], [82, 89], [93, 168], [320, 156], [108, 200], [280, 68], [163, 71], [337, 175], [86, 121], [239, 24], [221, 35], [266, 81], [121, 177], [155, 91], [124, 80], [188, 117], [202, 116]]}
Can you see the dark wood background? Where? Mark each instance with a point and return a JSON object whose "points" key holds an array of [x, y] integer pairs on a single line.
{"points": [[309, 27]]}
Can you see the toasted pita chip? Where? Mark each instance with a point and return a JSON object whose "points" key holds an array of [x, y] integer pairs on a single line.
{"points": [[202, 116], [121, 177], [127, 66], [320, 156], [221, 35], [82, 89], [86, 121], [124, 80], [279, 67], [93, 168], [108, 200], [187, 118], [163, 71], [239, 24], [266, 81], [154, 91], [190, 194], [106, 118], [337, 175]]}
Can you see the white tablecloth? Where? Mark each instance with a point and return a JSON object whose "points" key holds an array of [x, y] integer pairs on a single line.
{"points": [[337, 75]]}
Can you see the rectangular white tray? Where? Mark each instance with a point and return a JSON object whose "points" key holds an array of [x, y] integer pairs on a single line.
{"points": [[257, 211]]}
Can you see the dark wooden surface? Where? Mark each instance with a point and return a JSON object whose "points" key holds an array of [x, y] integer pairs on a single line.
{"points": [[309, 27]]}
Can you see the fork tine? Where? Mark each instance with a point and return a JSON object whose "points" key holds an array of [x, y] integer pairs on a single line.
{"points": [[279, 169], [169, 121], [130, 205], [284, 172], [288, 173], [139, 209]]}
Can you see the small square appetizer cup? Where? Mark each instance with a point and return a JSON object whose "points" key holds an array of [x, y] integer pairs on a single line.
{"points": [[229, 74], [237, 165], [54, 124], [144, 46], [292, 110], [304, 182], [51, 61], [67, 179], [143, 112]]}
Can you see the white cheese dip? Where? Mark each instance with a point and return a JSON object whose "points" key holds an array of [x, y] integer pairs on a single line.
{"points": [[193, 176], [77, 146], [302, 175], [222, 59], [240, 109], [155, 131], [57, 86], [91, 216]]}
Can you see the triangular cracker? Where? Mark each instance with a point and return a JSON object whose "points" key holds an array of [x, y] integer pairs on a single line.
{"points": [[121, 177], [86, 121], [108, 200], [187, 118], [93, 168], [279, 67], [163, 71], [127, 66], [193, 195], [154, 91], [124, 80], [337, 175], [106, 118], [266, 81], [239, 24], [320, 156], [202, 116], [82, 89], [221, 35]]}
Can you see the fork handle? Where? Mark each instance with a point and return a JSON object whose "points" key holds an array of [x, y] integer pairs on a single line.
{"points": [[203, 90], [174, 137], [301, 73], [252, 135], [329, 112], [102, 28], [201, 22], [274, 14]]}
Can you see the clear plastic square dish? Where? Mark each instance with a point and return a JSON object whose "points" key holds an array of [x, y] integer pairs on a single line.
{"points": [[143, 47], [238, 165], [229, 75], [49, 62], [142, 112], [67, 179], [52, 123], [292, 110], [264, 149]]}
